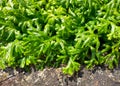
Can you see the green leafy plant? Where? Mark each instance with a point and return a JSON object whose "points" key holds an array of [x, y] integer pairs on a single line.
{"points": [[55, 32]]}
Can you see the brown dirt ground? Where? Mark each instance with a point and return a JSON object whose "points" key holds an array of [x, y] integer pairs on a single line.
{"points": [[54, 77]]}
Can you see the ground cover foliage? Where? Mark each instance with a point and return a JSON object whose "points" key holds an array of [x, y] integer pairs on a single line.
{"points": [[51, 33]]}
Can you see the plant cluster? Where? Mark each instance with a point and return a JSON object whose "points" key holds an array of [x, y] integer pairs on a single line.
{"points": [[59, 32]]}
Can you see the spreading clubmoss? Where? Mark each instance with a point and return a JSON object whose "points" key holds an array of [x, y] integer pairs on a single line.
{"points": [[55, 32]]}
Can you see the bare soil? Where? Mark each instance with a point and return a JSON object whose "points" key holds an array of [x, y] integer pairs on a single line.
{"points": [[98, 76]]}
